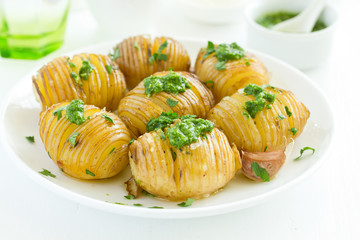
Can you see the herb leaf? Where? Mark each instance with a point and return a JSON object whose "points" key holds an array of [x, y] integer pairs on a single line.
{"points": [[129, 197], [88, 172], [172, 83], [75, 112], [137, 204], [171, 102], [47, 173], [72, 139], [112, 150], [220, 65], [288, 111], [260, 172], [86, 70], [109, 69], [136, 45], [31, 139], [209, 50], [116, 54], [188, 203], [108, 118], [303, 150], [164, 120], [158, 56], [131, 141], [147, 194], [58, 112], [211, 82], [157, 207], [281, 116], [293, 130], [173, 154]]}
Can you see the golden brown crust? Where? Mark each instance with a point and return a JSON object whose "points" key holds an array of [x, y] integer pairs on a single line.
{"points": [[101, 146], [136, 109], [266, 131], [54, 84], [136, 51], [198, 169], [236, 75]]}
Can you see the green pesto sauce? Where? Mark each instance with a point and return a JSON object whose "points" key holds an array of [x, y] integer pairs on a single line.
{"points": [[262, 99], [75, 112], [171, 82], [224, 52], [271, 19], [164, 120], [85, 70], [188, 131]]}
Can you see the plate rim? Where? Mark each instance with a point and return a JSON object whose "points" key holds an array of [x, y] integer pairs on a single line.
{"points": [[164, 213]]}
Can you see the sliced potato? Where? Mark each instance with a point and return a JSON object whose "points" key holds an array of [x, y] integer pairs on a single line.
{"points": [[60, 81], [136, 109], [135, 53], [100, 149], [193, 171]]}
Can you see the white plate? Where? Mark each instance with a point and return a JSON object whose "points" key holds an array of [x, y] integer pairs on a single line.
{"points": [[20, 118]]}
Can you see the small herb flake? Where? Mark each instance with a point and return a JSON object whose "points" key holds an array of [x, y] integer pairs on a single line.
{"points": [[71, 64], [281, 116], [293, 130], [108, 118], [112, 150], [188, 203], [162, 135], [58, 112], [129, 197], [31, 139], [119, 203], [173, 154], [109, 69], [137, 205], [246, 114], [156, 207], [303, 150], [131, 141], [220, 65], [136, 45], [288, 112], [158, 56], [247, 64], [147, 194], [47, 173], [260, 172], [72, 139], [88, 172], [115, 55], [210, 82], [265, 148], [171, 102]]}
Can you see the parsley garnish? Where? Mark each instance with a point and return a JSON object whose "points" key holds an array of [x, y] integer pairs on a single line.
{"points": [[261, 99], [136, 45], [71, 64], [293, 130], [288, 111], [188, 203], [115, 55], [220, 65], [164, 120], [303, 150], [281, 116], [58, 112], [76, 78], [47, 173], [129, 197], [75, 112], [147, 194], [162, 135], [247, 63], [112, 150], [108, 118], [265, 148], [137, 205], [211, 82], [72, 139], [173, 154], [109, 69], [260, 172], [209, 50], [31, 139], [171, 102], [89, 173], [246, 114], [158, 56], [86, 70], [131, 141], [156, 207], [119, 203]]}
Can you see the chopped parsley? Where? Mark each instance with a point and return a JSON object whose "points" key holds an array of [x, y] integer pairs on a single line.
{"points": [[31, 139], [288, 111], [265, 148], [136, 45], [210, 82], [137, 205], [147, 194], [162, 135], [188, 203], [76, 78], [86, 70], [88, 172], [71, 64], [293, 130], [247, 63], [158, 56], [109, 69], [303, 150], [157, 207], [172, 83], [171, 102], [47, 173], [112, 150], [173, 154], [164, 120], [281, 116], [58, 112], [109, 119], [75, 112], [72, 139], [260, 172], [224, 52], [129, 197], [262, 99], [131, 141], [115, 55]]}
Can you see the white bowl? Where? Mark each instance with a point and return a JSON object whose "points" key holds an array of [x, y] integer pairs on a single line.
{"points": [[302, 50]]}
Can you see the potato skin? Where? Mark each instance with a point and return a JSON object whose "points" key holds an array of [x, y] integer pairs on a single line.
{"points": [[94, 145], [53, 82], [136, 51], [136, 109], [236, 75], [266, 130], [199, 169]]}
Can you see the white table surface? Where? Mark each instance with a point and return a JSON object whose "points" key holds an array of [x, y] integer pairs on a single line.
{"points": [[324, 206]]}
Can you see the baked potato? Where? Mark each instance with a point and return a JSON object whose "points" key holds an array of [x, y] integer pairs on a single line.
{"points": [[140, 56], [94, 146], [136, 109], [268, 128], [90, 77], [234, 74], [192, 171]]}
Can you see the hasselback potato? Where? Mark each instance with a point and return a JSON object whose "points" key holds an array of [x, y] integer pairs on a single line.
{"points": [[235, 72], [90, 77], [94, 146], [192, 171], [137, 108], [260, 121], [140, 56]]}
